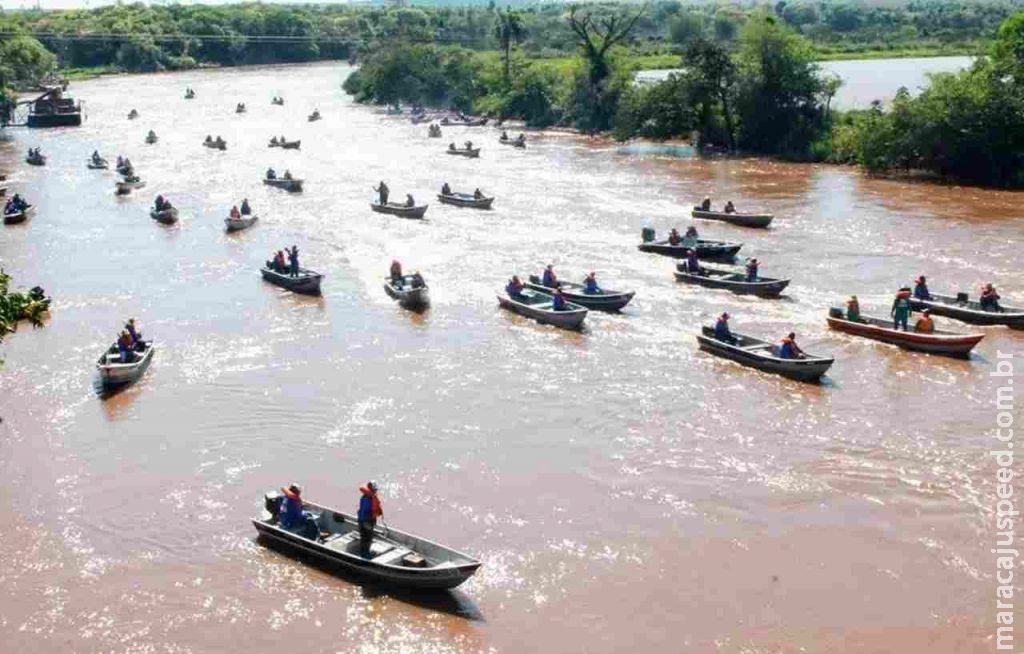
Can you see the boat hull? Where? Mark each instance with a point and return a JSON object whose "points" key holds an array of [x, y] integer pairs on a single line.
{"points": [[808, 370], [469, 154], [705, 249], [307, 283], [412, 213], [513, 143], [970, 312], [605, 301], [741, 219], [165, 217], [571, 319], [120, 374], [944, 343], [463, 200], [763, 288], [19, 217], [237, 225], [290, 185], [55, 120], [408, 297]]}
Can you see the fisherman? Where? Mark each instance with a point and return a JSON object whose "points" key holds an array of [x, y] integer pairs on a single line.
{"points": [[549, 278], [451, 146], [478, 194], [469, 145], [235, 213], [293, 517], [96, 158], [590, 286], [925, 324], [209, 139], [124, 346], [514, 288], [287, 175], [692, 262], [673, 237], [409, 201], [504, 135], [383, 192], [273, 141], [558, 301], [752, 267], [396, 273], [279, 264], [729, 208], [722, 331], [900, 311], [921, 289], [706, 205], [151, 135], [789, 349], [417, 280], [521, 138], [159, 204], [293, 260], [369, 510], [853, 309], [691, 238], [271, 174], [989, 298], [246, 209], [445, 189], [120, 161]]}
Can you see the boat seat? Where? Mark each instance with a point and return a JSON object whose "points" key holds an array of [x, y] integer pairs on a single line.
{"points": [[391, 557], [754, 348]]}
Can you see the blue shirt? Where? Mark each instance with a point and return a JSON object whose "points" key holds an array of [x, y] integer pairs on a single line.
{"points": [[590, 286], [549, 278], [722, 331], [558, 303]]}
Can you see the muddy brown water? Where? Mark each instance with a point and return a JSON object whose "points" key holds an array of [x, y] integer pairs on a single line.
{"points": [[624, 490]]}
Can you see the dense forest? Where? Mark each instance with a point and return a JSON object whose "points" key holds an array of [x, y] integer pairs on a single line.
{"points": [[748, 81]]}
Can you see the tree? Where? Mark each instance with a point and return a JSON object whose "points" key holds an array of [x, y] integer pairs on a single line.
{"points": [[686, 28], [711, 74], [24, 60], [508, 29]]}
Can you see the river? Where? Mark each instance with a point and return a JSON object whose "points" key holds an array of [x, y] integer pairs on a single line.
{"points": [[867, 80], [624, 490]]}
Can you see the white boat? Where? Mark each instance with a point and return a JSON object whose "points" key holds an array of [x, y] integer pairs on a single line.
{"points": [[113, 372]]}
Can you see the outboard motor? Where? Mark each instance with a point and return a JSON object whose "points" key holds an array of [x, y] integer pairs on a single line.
{"points": [[272, 503], [835, 312], [647, 234], [961, 298]]}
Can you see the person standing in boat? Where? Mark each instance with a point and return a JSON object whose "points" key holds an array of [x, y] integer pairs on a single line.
{"points": [[409, 201], [514, 288], [135, 334], [124, 346], [383, 192], [590, 286], [235, 213], [549, 278], [293, 260], [417, 280], [752, 268], [722, 331], [279, 264], [396, 273], [989, 298], [246, 209], [788, 349], [293, 517], [900, 311], [921, 289], [692, 262], [369, 510], [925, 324]]}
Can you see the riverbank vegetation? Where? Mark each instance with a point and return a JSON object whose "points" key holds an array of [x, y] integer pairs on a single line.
{"points": [[15, 306]]}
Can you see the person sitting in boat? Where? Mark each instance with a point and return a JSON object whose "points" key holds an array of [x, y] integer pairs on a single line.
{"points": [[282, 140], [383, 192], [293, 260], [246, 209], [96, 158], [409, 201], [287, 175], [722, 331], [478, 195], [209, 139], [521, 138], [235, 213], [293, 517], [396, 273], [125, 346], [417, 280], [445, 189], [989, 299], [271, 173], [729, 208], [549, 278], [692, 262], [590, 286], [690, 238], [120, 161], [900, 311], [220, 142], [135, 334], [514, 288], [706, 205], [469, 146], [151, 135], [925, 324], [752, 268], [558, 301], [273, 141], [853, 309], [133, 114], [159, 203], [788, 349], [369, 510], [504, 135], [673, 237], [279, 264], [921, 289], [451, 146]]}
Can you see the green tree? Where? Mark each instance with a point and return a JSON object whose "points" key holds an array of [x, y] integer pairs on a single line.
{"points": [[508, 29], [711, 76]]}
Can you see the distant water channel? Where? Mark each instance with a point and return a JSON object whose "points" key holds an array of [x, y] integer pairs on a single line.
{"points": [[867, 80]]}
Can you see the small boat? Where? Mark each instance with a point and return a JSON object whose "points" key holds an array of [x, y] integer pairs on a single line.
{"points": [[306, 282], [434, 131], [115, 373], [97, 165], [238, 224], [968, 311], [132, 115], [762, 355], [515, 143], [290, 185], [741, 219], [407, 296], [36, 161], [151, 139], [466, 200], [395, 558], [216, 145], [731, 280], [277, 101], [291, 145], [469, 153], [240, 109], [538, 305], [167, 216], [400, 210], [16, 217], [124, 187], [880, 329], [190, 95], [705, 249], [606, 300], [315, 116]]}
